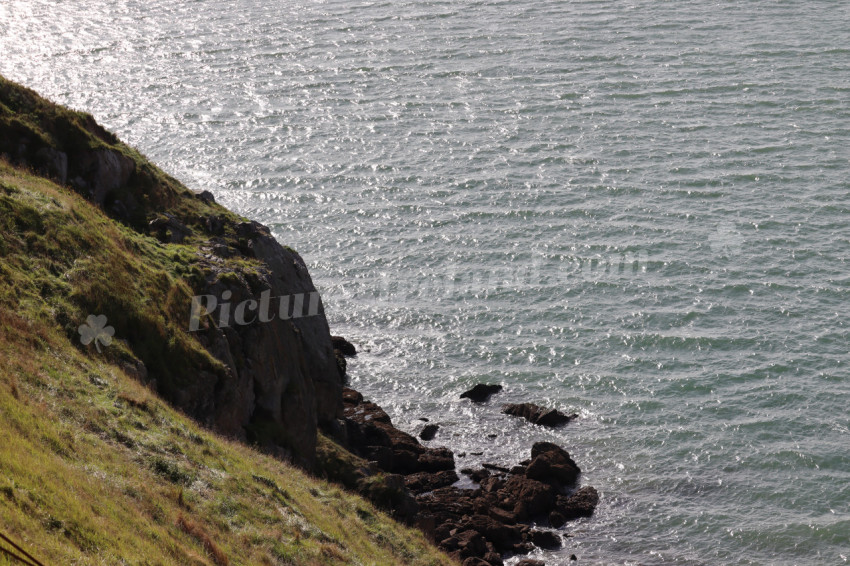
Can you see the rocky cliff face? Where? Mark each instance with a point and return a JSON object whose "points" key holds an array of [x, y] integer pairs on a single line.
{"points": [[269, 377], [282, 376]]}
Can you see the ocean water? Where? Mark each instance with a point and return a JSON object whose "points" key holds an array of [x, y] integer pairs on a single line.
{"points": [[636, 211]]}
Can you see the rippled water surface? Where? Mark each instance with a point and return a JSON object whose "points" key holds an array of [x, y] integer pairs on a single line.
{"points": [[637, 211]]}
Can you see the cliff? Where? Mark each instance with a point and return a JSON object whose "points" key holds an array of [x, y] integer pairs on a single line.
{"points": [[268, 382], [162, 359]]}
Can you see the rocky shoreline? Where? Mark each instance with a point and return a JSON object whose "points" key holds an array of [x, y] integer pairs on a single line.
{"points": [[274, 382], [508, 512]]}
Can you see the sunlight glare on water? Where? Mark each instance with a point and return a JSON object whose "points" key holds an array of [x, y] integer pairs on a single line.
{"points": [[633, 211]]}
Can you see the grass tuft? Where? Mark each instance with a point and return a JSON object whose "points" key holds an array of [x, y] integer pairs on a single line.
{"points": [[197, 532]]}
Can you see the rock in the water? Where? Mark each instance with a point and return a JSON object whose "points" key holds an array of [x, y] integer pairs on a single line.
{"points": [[552, 464], [344, 346], [476, 475], [481, 392], [545, 539], [582, 503], [537, 414], [429, 432], [556, 520], [530, 562], [530, 497]]}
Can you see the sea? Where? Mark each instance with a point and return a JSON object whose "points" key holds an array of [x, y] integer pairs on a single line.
{"points": [[633, 210]]}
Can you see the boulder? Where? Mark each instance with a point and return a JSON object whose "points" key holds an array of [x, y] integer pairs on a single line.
{"points": [[476, 475], [538, 415], [582, 503], [556, 520], [552, 464], [422, 482], [481, 392], [529, 497], [429, 432], [344, 346], [546, 540], [437, 459]]}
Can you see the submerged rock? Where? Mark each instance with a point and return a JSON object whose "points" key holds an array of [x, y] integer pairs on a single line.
{"points": [[582, 503], [429, 432], [538, 415], [481, 392]]}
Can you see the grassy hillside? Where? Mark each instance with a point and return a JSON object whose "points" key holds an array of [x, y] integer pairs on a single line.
{"points": [[94, 467]]}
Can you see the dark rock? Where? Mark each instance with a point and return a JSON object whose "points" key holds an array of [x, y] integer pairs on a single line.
{"points": [[481, 392], [389, 492], [214, 224], [351, 397], [573, 557], [448, 503], [429, 432], [206, 197], [502, 536], [476, 475], [552, 464], [475, 561], [582, 503], [503, 516], [341, 364], [437, 459], [545, 539], [470, 543], [223, 250], [169, 229], [344, 346], [492, 483], [54, 163], [496, 468], [493, 559], [530, 562], [556, 520], [422, 482], [443, 530], [530, 497], [537, 415]]}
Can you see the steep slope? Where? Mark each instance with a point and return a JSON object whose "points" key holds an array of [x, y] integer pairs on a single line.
{"points": [[266, 382], [96, 464]]}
